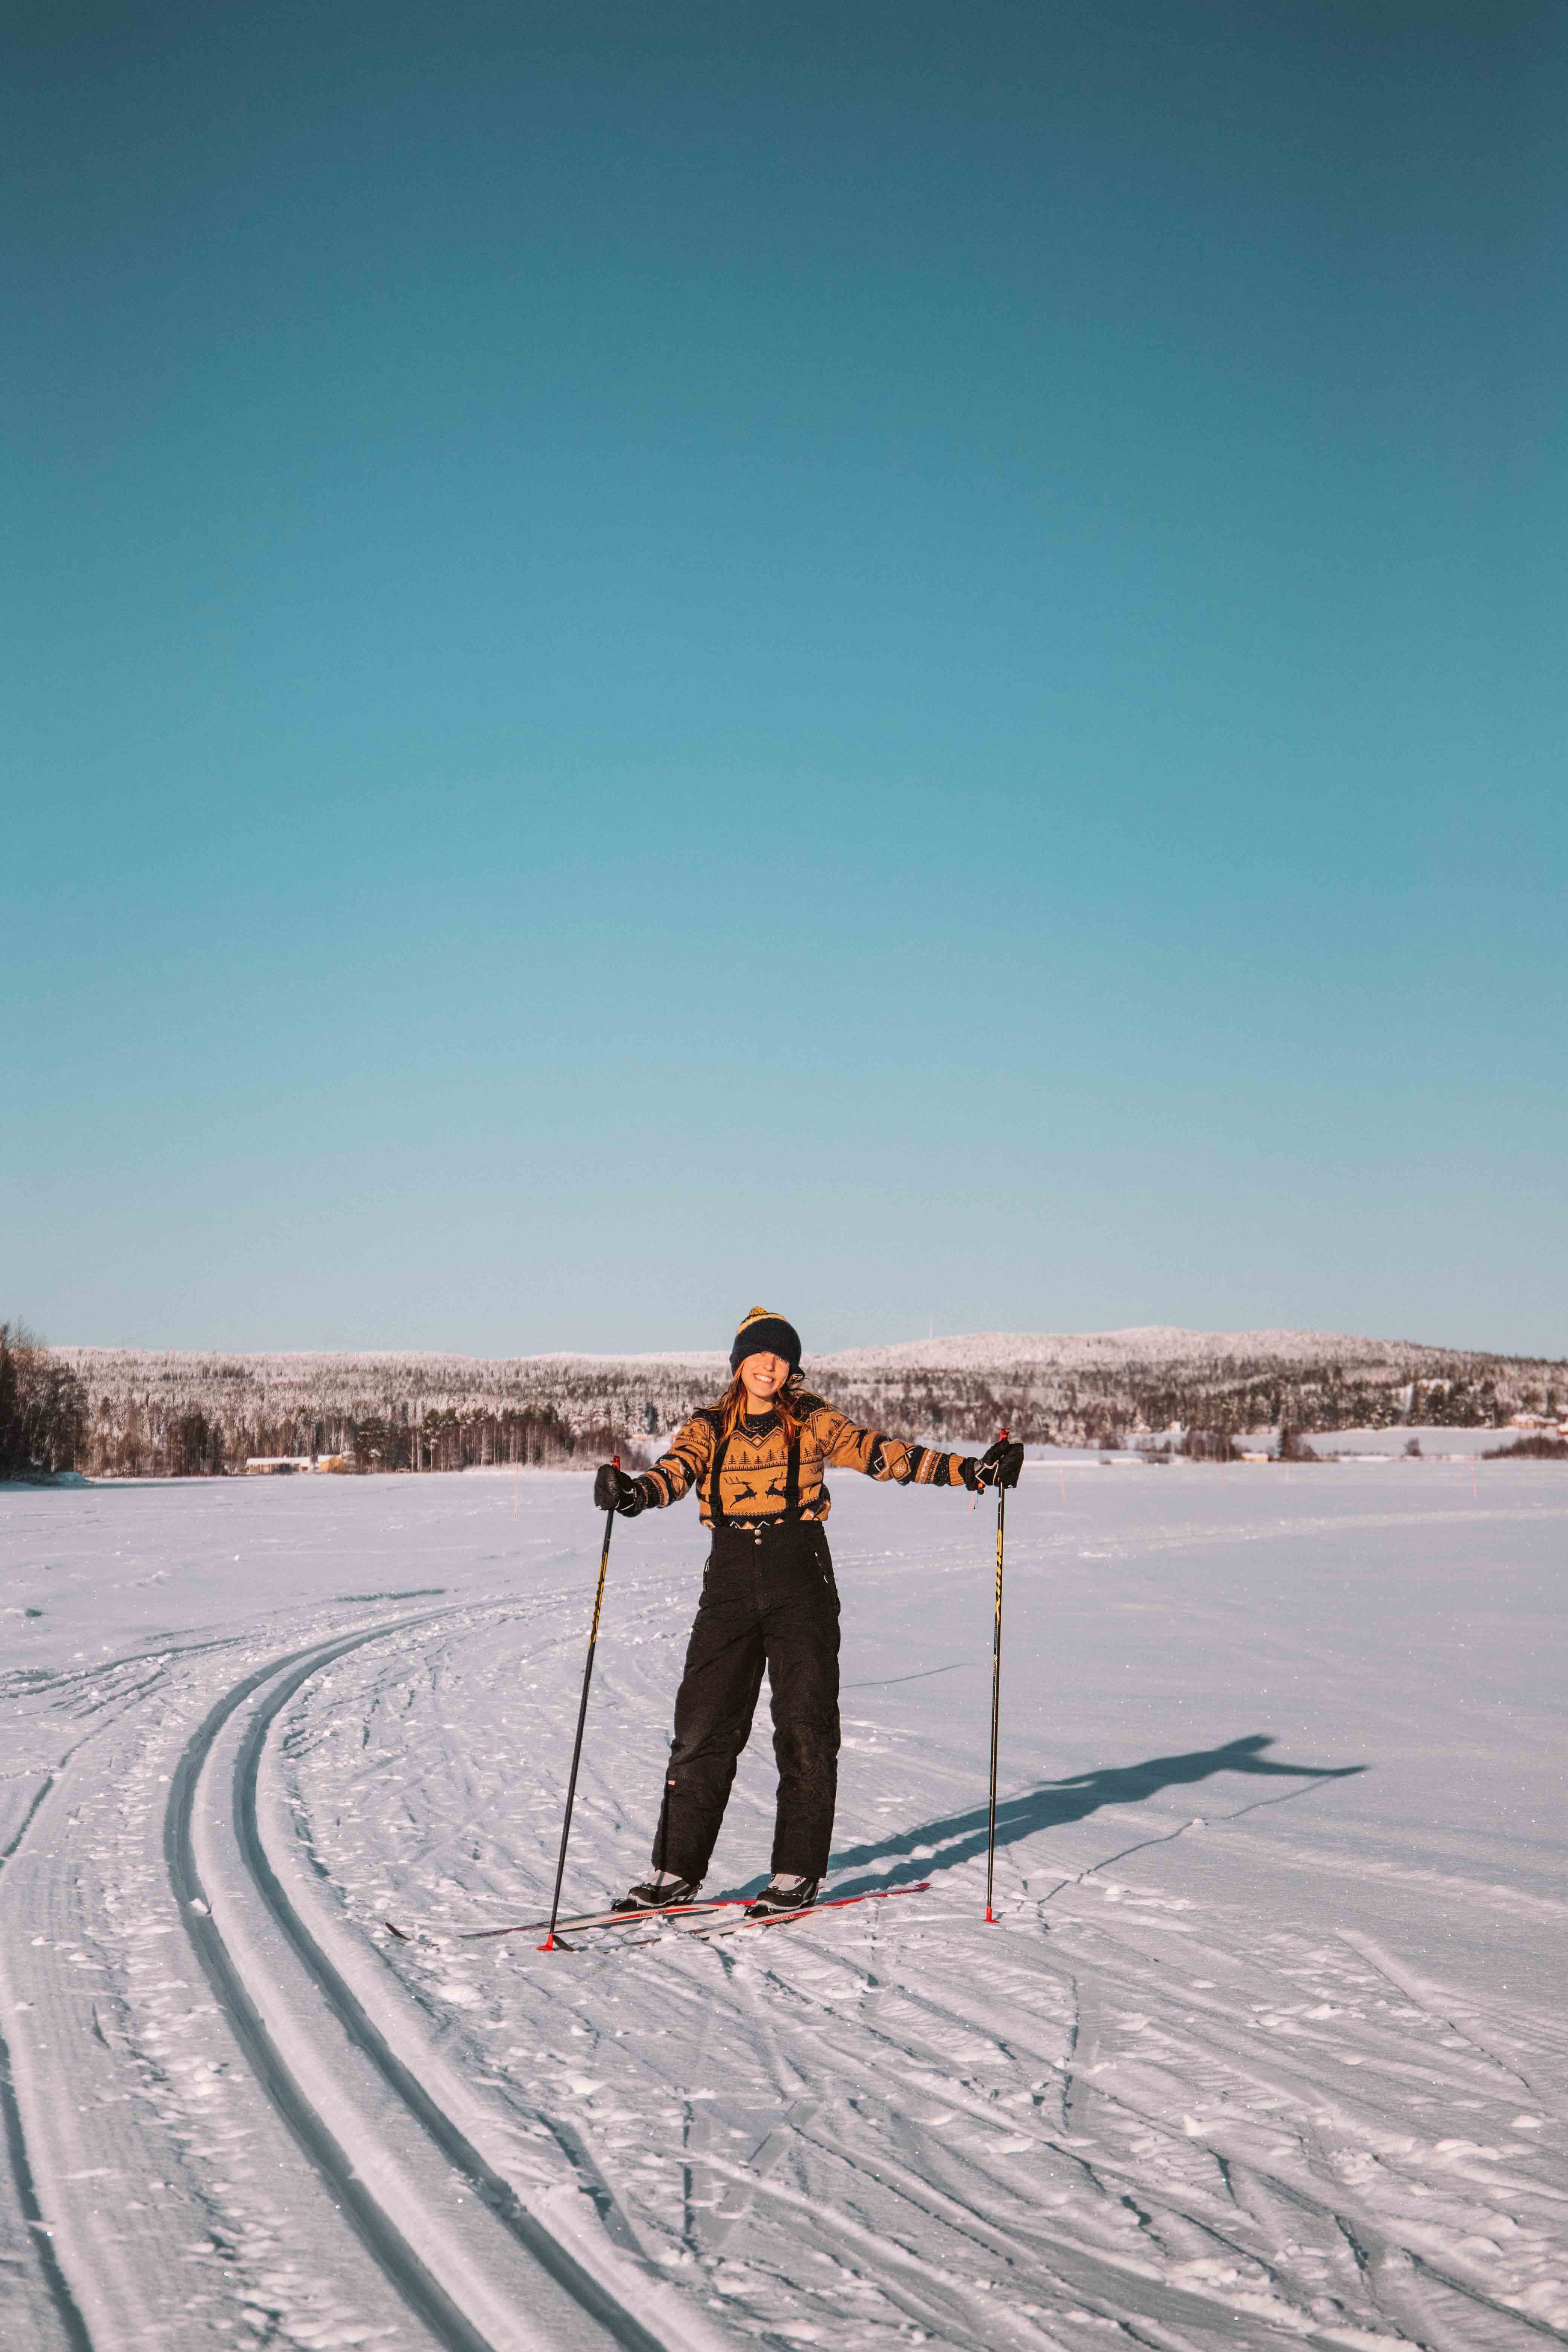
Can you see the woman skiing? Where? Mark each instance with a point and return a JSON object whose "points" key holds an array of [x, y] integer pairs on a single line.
{"points": [[757, 1459]]}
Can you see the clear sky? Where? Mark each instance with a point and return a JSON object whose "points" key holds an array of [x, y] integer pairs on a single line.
{"points": [[906, 661]]}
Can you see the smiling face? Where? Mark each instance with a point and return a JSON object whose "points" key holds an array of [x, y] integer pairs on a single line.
{"points": [[762, 1378]]}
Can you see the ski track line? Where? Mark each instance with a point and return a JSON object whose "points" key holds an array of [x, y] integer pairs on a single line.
{"points": [[65, 2306], [1118, 2293], [1098, 2277], [1095, 2276], [1298, 2085], [1378, 2244], [598, 2277], [621, 2267], [1451, 2008], [344, 2169]]}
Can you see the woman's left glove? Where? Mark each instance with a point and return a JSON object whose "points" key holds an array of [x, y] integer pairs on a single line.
{"points": [[614, 1491], [998, 1466]]}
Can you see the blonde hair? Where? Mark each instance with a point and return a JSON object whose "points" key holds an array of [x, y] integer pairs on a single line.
{"points": [[786, 1404]]}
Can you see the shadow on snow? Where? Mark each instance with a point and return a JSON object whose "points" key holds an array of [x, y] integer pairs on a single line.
{"points": [[961, 1837]]}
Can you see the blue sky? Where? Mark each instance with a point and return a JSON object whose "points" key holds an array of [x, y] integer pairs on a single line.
{"points": [[906, 661]]}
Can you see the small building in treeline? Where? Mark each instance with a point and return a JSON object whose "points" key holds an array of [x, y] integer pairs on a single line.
{"points": [[285, 1465]]}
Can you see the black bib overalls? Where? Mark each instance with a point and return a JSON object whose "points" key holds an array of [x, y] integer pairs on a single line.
{"points": [[768, 1600]]}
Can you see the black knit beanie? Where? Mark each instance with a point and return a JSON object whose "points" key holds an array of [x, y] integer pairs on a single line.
{"points": [[762, 1334]]}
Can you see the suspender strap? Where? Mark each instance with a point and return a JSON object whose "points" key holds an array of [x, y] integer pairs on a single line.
{"points": [[792, 1481], [715, 1496]]}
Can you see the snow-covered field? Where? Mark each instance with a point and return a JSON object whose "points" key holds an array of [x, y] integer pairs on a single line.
{"points": [[1270, 2045]]}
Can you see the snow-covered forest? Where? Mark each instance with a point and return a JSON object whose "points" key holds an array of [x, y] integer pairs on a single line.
{"points": [[148, 1412], [43, 1408]]}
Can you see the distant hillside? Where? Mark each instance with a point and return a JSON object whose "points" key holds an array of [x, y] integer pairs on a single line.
{"points": [[1103, 1388], [152, 1412]]}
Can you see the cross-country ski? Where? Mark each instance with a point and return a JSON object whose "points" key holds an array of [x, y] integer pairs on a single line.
{"points": [[577, 1921], [688, 1923], [824, 1906]]}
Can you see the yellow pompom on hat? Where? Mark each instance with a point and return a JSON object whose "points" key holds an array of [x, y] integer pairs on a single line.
{"points": [[764, 1333]]}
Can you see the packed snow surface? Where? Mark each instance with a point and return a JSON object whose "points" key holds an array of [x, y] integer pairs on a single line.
{"points": [[1267, 2047]]}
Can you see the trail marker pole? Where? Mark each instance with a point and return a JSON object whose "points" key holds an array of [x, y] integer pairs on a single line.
{"points": [[549, 1943], [995, 1698]]}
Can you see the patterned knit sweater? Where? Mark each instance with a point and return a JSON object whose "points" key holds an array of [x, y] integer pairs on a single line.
{"points": [[756, 1474]]}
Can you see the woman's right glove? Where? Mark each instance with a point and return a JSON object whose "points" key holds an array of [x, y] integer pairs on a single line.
{"points": [[614, 1491], [998, 1466]]}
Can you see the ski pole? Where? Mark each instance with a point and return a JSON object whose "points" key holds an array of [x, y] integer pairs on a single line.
{"points": [[549, 1943], [996, 1695]]}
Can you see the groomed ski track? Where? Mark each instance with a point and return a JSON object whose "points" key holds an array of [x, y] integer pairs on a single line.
{"points": [[438, 2288], [64, 2302]]}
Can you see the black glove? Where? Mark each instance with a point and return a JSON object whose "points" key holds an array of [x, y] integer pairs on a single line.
{"points": [[614, 1491], [999, 1465]]}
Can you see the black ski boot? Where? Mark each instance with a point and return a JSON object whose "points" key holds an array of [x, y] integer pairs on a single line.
{"points": [[662, 1892], [784, 1893]]}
